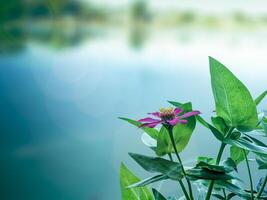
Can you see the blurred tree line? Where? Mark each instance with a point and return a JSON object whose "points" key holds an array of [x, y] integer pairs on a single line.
{"points": [[11, 10], [43, 21]]}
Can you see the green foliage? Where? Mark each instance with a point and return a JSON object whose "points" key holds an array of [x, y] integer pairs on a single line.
{"points": [[206, 160], [219, 135], [208, 170], [237, 154], [171, 169], [183, 132], [233, 188], [232, 99], [127, 178], [220, 124], [149, 141], [260, 97], [207, 174], [148, 181], [164, 145], [158, 195], [262, 128], [249, 144], [262, 161], [236, 118], [229, 165]]}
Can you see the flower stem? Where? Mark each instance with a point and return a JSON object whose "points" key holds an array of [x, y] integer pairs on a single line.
{"points": [[262, 188], [249, 173], [219, 156], [180, 161], [181, 183], [224, 193], [218, 159], [184, 190]]}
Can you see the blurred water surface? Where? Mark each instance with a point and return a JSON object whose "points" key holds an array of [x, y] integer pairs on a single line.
{"points": [[68, 69]]}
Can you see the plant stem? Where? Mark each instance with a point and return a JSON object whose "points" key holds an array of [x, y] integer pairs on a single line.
{"points": [[210, 190], [170, 156], [224, 194], [181, 183], [219, 156], [262, 188], [218, 159], [249, 173], [184, 190], [180, 161], [220, 153]]}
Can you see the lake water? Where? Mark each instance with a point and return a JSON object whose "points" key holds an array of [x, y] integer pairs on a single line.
{"points": [[60, 135]]}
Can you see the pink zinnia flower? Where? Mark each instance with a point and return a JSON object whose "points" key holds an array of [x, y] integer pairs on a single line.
{"points": [[169, 116]]}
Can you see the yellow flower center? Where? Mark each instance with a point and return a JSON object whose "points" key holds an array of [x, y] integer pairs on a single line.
{"points": [[167, 113]]}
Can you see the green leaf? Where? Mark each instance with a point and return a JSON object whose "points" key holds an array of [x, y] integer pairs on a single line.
{"points": [[211, 167], [237, 154], [248, 143], [235, 135], [150, 131], [262, 161], [230, 196], [209, 171], [218, 196], [158, 195], [183, 132], [233, 188], [262, 187], [148, 181], [226, 166], [164, 145], [220, 124], [229, 165], [149, 141], [264, 124], [219, 135], [185, 106], [207, 174], [233, 101], [254, 140], [260, 98], [262, 128], [127, 178], [203, 122], [154, 164], [206, 160]]}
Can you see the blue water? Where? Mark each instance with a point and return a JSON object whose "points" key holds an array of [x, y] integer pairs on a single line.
{"points": [[60, 136]]}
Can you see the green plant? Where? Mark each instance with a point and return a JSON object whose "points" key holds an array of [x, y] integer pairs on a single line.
{"points": [[236, 123]]}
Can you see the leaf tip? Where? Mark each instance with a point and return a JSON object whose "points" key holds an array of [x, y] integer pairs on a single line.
{"points": [[122, 165]]}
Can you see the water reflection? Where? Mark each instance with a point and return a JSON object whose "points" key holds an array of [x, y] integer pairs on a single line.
{"points": [[61, 24]]}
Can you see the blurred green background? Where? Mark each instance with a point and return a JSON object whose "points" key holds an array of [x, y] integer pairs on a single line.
{"points": [[69, 68]]}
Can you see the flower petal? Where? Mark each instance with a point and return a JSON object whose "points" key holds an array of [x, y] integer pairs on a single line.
{"points": [[174, 121], [148, 119], [182, 121], [150, 125], [178, 111], [156, 114], [189, 114]]}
